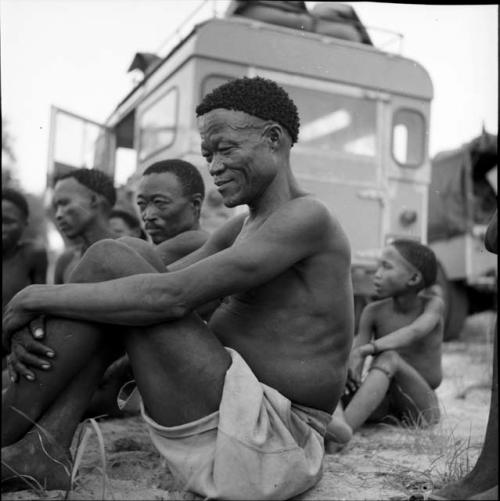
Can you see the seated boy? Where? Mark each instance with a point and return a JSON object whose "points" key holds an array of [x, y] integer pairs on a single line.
{"points": [[403, 332]]}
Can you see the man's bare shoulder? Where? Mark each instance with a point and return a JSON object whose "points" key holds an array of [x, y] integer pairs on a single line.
{"points": [[313, 220]]}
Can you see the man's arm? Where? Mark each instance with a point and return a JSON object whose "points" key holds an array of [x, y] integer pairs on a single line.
{"points": [[181, 245], [62, 263], [296, 231], [419, 328], [220, 239]]}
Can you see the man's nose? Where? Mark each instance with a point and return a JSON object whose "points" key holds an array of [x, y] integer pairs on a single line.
{"points": [[59, 213], [149, 213], [216, 166]]}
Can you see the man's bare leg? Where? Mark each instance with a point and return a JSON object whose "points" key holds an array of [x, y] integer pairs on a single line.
{"points": [[484, 476], [57, 399], [179, 367], [414, 394]]}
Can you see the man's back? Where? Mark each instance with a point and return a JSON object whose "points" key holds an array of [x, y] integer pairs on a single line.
{"points": [[295, 330]]}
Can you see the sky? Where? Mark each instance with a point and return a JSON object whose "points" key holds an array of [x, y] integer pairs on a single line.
{"points": [[74, 54]]}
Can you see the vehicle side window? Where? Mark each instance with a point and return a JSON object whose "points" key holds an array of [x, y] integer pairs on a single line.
{"points": [[408, 137], [157, 125]]}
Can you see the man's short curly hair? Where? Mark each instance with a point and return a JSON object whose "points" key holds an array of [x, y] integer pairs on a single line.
{"points": [[188, 175], [95, 180], [18, 199], [259, 97], [420, 256]]}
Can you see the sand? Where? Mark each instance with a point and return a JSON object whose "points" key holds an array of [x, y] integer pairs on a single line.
{"points": [[381, 461]]}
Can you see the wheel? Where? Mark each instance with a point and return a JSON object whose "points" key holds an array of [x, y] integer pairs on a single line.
{"points": [[456, 305]]}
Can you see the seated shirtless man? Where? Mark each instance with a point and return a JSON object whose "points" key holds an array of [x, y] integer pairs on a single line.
{"points": [[238, 407], [403, 331], [23, 262], [82, 203], [169, 198]]}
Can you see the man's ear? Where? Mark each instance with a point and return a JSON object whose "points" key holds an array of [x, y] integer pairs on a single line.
{"points": [[196, 201], [274, 134], [94, 200], [415, 279]]}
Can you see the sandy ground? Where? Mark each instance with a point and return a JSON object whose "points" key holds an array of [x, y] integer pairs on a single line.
{"points": [[381, 461]]}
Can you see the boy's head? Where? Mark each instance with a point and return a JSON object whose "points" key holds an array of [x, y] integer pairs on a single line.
{"points": [[405, 265], [80, 198], [169, 197], [15, 213]]}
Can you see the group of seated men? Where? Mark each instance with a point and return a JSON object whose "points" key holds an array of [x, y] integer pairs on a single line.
{"points": [[240, 342]]}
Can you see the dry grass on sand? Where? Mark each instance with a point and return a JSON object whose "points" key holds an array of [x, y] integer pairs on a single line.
{"points": [[381, 461]]}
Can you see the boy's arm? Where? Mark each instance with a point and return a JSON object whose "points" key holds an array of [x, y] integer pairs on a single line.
{"points": [[361, 347], [419, 328], [365, 328]]}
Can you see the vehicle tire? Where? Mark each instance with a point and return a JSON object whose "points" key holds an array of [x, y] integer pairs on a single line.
{"points": [[456, 305]]}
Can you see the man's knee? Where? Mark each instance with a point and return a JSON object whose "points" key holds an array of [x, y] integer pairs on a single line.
{"points": [[108, 259], [145, 250]]}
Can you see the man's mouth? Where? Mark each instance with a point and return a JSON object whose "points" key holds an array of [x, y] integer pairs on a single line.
{"points": [[221, 182]]}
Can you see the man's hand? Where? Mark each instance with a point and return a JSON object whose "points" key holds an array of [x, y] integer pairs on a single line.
{"points": [[15, 317], [27, 354]]}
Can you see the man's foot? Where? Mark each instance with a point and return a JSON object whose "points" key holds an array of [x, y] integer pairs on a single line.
{"points": [[35, 461], [465, 488]]}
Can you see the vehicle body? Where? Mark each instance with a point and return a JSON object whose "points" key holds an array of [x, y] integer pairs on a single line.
{"points": [[365, 113], [462, 201]]}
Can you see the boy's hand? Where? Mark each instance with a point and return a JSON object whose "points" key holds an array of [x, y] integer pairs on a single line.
{"points": [[26, 354]]}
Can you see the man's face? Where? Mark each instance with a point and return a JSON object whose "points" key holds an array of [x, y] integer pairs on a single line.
{"points": [[13, 224], [164, 208], [74, 208], [393, 274], [239, 159]]}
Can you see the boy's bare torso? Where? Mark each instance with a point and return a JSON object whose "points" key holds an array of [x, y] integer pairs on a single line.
{"points": [[295, 331], [425, 354]]}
